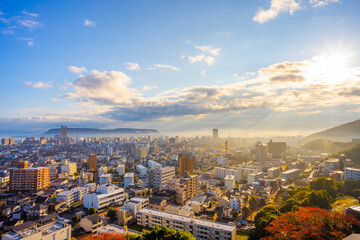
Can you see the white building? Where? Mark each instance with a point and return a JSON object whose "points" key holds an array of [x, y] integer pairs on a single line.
{"points": [[229, 181], [201, 229], [52, 231], [290, 174], [121, 169], [128, 179], [105, 179], [222, 161], [104, 196], [273, 172], [141, 169], [74, 195], [353, 173], [159, 176], [68, 167], [91, 187], [220, 173], [331, 164], [255, 177], [153, 164], [102, 170], [136, 203], [234, 203]]}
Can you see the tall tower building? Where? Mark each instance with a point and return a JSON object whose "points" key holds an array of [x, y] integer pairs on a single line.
{"points": [[63, 132], [215, 133], [260, 152], [27, 179], [92, 162], [186, 164]]}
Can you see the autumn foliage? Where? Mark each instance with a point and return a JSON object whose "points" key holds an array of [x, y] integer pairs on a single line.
{"points": [[310, 224], [106, 236]]}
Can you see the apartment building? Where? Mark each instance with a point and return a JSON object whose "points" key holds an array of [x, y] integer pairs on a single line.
{"points": [[185, 188], [73, 195], [229, 182], [221, 173], [130, 209], [273, 172], [159, 176], [29, 179], [351, 173], [104, 196], [68, 167], [290, 174], [52, 231], [201, 229], [255, 177], [186, 164]]}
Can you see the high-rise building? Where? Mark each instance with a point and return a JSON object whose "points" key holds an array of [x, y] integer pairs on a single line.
{"points": [[260, 152], [8, 141], [186, 163], [23, 164], [63, 132], [215, 133], [159, 176], [29, 179], [185, 188], [92, 162], [276, 148]]}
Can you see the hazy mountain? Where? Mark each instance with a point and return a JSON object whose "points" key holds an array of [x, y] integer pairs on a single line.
{"points": [[344, 133], [352, 153], [328, 146], [89, 132]]}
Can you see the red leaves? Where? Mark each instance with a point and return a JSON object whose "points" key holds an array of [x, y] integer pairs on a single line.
{"points": [[310, 223], [106, 236]]}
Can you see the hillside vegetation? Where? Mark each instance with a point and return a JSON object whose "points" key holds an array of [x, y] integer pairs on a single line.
{"points": [[328, 146], [352, 153]]}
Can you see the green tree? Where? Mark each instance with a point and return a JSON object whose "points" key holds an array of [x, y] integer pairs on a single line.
{"points": [[263, 219], [289, 205], [111, 213], [235, 214], [158, 233], [324, 183], [321, 199], [75, 218], [92, 211], [245, 212], [253, 202]]}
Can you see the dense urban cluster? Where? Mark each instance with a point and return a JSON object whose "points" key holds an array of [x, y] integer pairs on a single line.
{"points": [[63, 187]]}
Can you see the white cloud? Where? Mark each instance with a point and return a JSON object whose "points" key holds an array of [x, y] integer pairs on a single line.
{"points": [[30, 41], [133, 66], [30, 14], [277, 6], [202, 58], [202, 73], [77, 70], [322, 3], [147, 88], [42, 85], [163, 66], [209, 49], [7, 31], [89, 23], [31, 24], [55, 99]]}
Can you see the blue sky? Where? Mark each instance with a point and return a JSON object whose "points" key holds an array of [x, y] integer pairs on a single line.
{"points": [[254, 67]]}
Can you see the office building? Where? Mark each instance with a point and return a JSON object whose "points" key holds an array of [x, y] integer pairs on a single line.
{"points": [[215, 133], [277, 149], [185, 188], [104, 196], [7, 141], [201, 229], [159, 176], [30, 231], [73, 195], [128, 179], [229, 182], [273, 172], [92, 162], [290, 174], [260, 152], [351, 173], [63, 132], [29, 179], [186, 164]]}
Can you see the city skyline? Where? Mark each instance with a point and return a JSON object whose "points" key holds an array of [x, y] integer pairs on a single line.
{"points": [[250, 68]]}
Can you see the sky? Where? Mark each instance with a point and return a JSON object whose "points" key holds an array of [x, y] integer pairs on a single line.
{"points": [[246, 67]]}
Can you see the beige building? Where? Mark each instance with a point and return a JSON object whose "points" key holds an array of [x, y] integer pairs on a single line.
{"points": [[201, 229], [186, 188], [52, 231], [159, 176], [186, 164]]}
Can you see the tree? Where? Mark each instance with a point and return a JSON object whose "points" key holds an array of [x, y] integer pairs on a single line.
{"points": [[166, 233], [75, 218], [310, 223], [324, 183], [262, 202], [263, 219], [92, 211], [245, 212], [253, 202], [321, 199], [290, 205], [106, 236], [235, 214], [111, 213]]}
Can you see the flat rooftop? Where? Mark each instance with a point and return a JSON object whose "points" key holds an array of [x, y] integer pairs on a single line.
{"points": [[194, 221]]}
